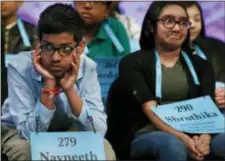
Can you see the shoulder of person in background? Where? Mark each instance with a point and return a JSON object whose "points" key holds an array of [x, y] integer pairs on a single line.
{"points": [[206, 75], [31, 31], [120, 32], [219, 45], [115, 24], [18, 41], [133, 28], [211, 43], [30, 27], [214, 50], [213, 47], [215, 40]]}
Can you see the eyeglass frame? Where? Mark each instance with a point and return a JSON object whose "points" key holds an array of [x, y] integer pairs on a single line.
{"points": [[175, 22], [58, 49]]}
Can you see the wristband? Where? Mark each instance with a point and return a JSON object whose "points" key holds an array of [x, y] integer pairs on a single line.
{"points": [[55, 91]]}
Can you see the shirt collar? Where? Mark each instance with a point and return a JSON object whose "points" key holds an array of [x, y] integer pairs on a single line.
{"points": [[101, 34], [38, 77], [11, 25]]}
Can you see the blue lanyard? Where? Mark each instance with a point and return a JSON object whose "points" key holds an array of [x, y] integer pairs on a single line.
{"points": [[199, 52], [23, 33], [159, 73], [113, 38]]}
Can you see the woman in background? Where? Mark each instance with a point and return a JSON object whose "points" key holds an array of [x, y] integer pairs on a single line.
{"points": [[207, 48], [133, 29], [104, 36]]}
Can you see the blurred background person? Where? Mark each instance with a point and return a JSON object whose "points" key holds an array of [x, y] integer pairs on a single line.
{"points": [[4, 89], [207, 48], [104, 36], [18, 34], [106, 40], [133, 29]]}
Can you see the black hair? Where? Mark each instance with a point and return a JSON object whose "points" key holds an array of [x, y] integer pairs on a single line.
{"points": [[59, 18], [188, 4], [108, 3], [147, 39]]}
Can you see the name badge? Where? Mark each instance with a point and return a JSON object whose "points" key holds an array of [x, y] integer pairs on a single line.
{"points": [[107, 72], [199, 115], [67, 146]]}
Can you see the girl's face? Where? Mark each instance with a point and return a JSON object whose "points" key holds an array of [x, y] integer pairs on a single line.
{"points": [[196, 22], [171, 27]]}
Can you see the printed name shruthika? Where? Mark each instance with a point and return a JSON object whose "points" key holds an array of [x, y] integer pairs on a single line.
{"points": [[193, 116]]}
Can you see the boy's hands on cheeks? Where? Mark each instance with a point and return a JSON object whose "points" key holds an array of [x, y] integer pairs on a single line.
{"points": [[49, 79], [36, 62], [67, 82]]}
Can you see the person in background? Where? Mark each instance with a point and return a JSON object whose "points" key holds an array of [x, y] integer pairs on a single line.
{"points": [[160, 73], [207, 48], [4, 90], [133, 29], [106, 39], [104, 36], [18, 34], [56, 88]]}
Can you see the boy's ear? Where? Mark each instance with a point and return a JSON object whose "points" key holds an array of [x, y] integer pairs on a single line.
{"points": [[81, 47]]}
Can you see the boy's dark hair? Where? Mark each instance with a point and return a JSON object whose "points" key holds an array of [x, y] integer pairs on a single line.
{"points": [[59, 18], [147, 39], [188, 4]]}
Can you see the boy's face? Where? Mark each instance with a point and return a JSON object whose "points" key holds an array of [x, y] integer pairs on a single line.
{"points": [[9, 8], [56, 52]]}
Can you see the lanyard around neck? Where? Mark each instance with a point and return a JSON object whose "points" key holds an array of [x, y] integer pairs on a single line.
{"points": [[199, 52], [113, 38], [159, 73], [23, 33]]}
